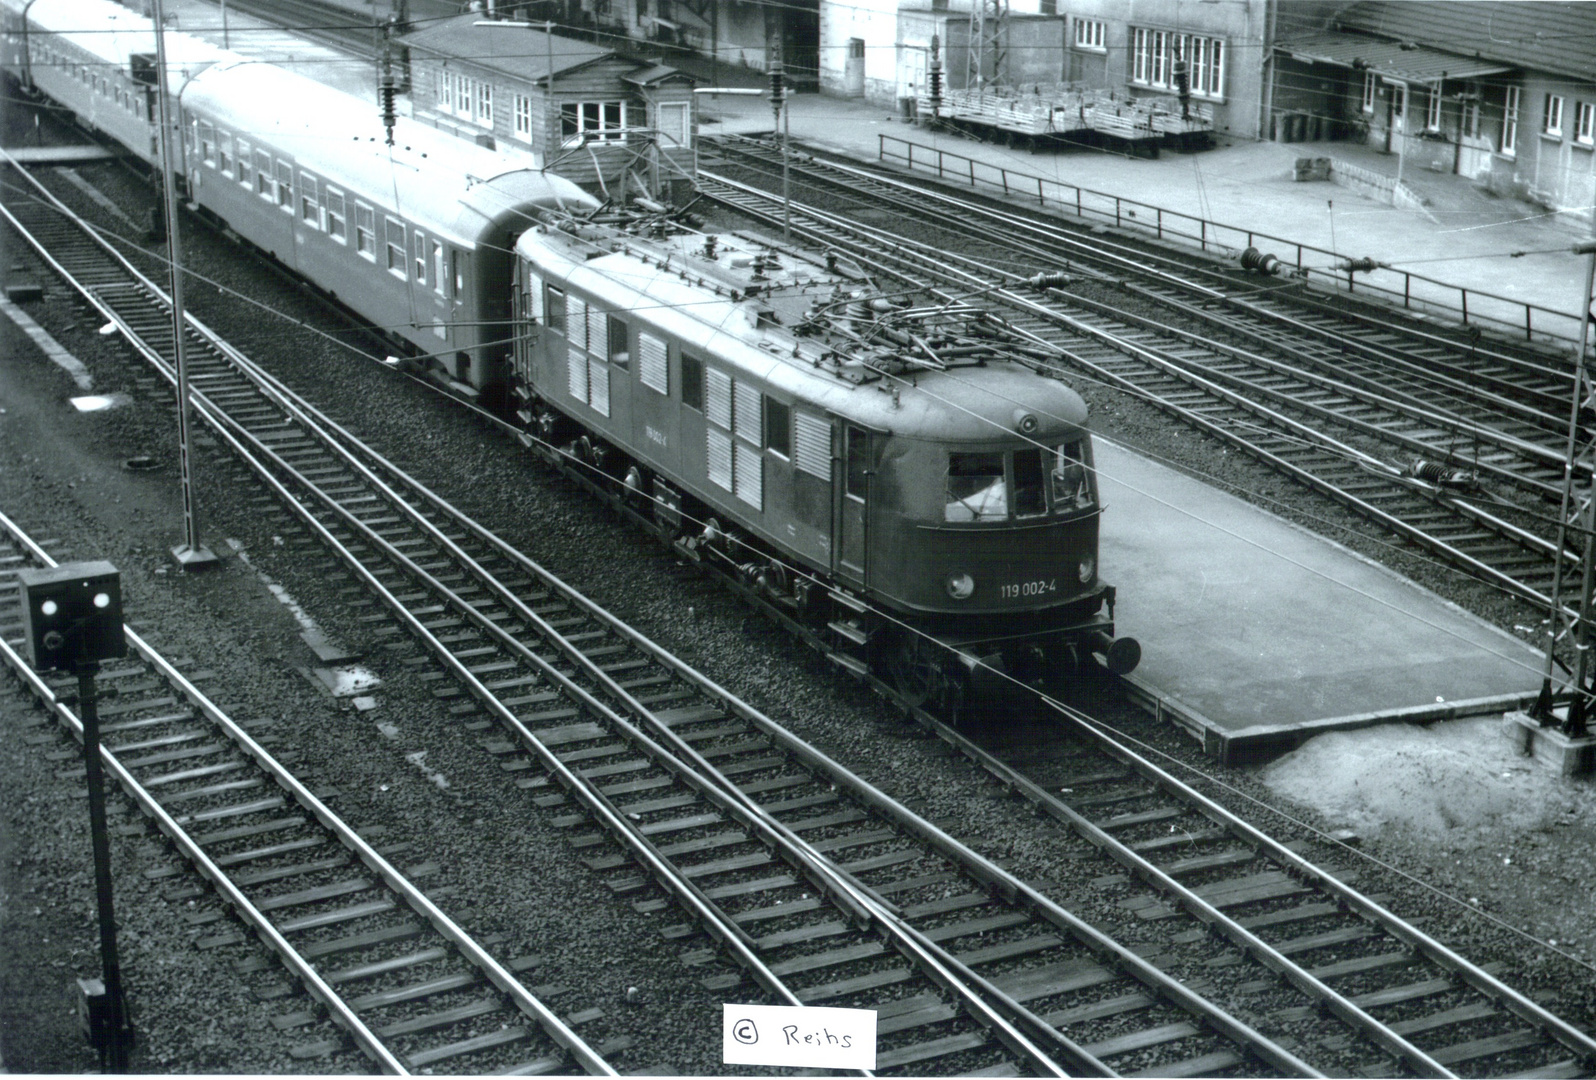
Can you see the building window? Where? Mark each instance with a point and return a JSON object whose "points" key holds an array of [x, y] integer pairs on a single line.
{"points": [[1368, 91], [1089, 34], [1432, 110], [1584, 123], [484, 115], [597, 121], [1510, 123], [445, 91], [1048, 7], [309, 208], [396, 247], [1153, 56], [335, 215], [366, 231], [1552, 116], [523, 117]]}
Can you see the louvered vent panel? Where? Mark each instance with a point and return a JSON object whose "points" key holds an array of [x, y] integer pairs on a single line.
{"points": [[653, 364], [812, 436]]}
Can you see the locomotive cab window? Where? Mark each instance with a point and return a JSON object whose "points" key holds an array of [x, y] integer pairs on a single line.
{"points": [[1030, 481], [977, 488], [1072, 488]]}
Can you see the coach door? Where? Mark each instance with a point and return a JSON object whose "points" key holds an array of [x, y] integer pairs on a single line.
{"points": [[858, 465]]}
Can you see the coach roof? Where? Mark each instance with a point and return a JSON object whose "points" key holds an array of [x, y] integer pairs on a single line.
{"points": [[449, 186]]}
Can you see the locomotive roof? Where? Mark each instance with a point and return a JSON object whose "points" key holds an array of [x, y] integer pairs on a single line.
{"points": [[770, 321], [115, 34], [449, 186]]}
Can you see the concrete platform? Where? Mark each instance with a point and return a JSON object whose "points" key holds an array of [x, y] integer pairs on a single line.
{"points": [[1256, 634]]}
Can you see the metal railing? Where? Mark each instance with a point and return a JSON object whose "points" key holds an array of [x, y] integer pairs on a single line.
{"points": [[1410, 290]]}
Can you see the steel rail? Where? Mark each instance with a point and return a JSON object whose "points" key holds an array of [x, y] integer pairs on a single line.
{"points": [[930, 957], [1135, 261], [1582, 1044], [496, 973], [1447, 551], [297, 965], [979, 274]]}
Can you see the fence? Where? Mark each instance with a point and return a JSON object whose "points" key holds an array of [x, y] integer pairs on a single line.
{"points": [[1415, 291]]}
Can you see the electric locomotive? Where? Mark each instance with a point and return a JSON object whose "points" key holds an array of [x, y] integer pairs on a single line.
{"points": [[886, 470]]}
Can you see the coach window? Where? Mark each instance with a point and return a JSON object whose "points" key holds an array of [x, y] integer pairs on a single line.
{"points": [[309, 208], [207, 141], [778, 427], [620, 347], [692, 382], [418, 250], [285, 187], [439, 282], [335, 215], [556, 309], [265, 186], [366, 231], [457, 265], [224, 152], [396, 246], [243, 163]]}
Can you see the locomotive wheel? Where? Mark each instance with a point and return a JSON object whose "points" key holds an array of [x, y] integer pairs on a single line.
{"points": [[926, 677]]}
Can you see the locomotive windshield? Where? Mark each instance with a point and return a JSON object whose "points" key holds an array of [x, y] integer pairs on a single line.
{"points": [[984, 486]]}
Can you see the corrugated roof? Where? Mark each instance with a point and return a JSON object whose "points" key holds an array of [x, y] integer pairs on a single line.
{"points": [[1404, 62], [1554, 36], [519, 49]]}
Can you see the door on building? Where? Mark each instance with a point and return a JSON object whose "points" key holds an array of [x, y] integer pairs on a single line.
{"points": [[853, 71], [911, 71]]}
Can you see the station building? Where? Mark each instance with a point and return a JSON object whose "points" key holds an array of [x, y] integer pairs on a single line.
{"points": [[1501, 91], [593, 115]]}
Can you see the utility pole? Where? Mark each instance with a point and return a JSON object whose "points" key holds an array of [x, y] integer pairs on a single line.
{"points": [[1578, 627], [191, 554]]}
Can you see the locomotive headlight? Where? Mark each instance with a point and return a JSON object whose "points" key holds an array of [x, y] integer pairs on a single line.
{"points": [[1088, 567], [961, 586]]}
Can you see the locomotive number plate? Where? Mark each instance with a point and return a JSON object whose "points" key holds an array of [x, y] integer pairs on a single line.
{"points": [[1028, 588]]}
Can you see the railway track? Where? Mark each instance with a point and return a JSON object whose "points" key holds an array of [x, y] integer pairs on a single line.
{"points": [[1358, 447], [388, 971], [1343, 336], [822, 889]]}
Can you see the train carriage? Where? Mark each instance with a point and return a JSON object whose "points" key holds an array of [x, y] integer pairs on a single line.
{"points": [[97, 59], [416, 236]]}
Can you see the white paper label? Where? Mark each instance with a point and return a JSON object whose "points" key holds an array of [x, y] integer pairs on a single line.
{"points": [[799, 1037]]}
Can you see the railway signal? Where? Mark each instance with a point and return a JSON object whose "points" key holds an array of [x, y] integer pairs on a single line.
{"points": [[73, 621]]}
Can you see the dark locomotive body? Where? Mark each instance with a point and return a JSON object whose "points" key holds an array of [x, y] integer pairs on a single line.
{"points": [[927, 515]]}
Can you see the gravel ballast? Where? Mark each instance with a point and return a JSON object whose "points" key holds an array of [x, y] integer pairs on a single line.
{"points": [[410, 766]]}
